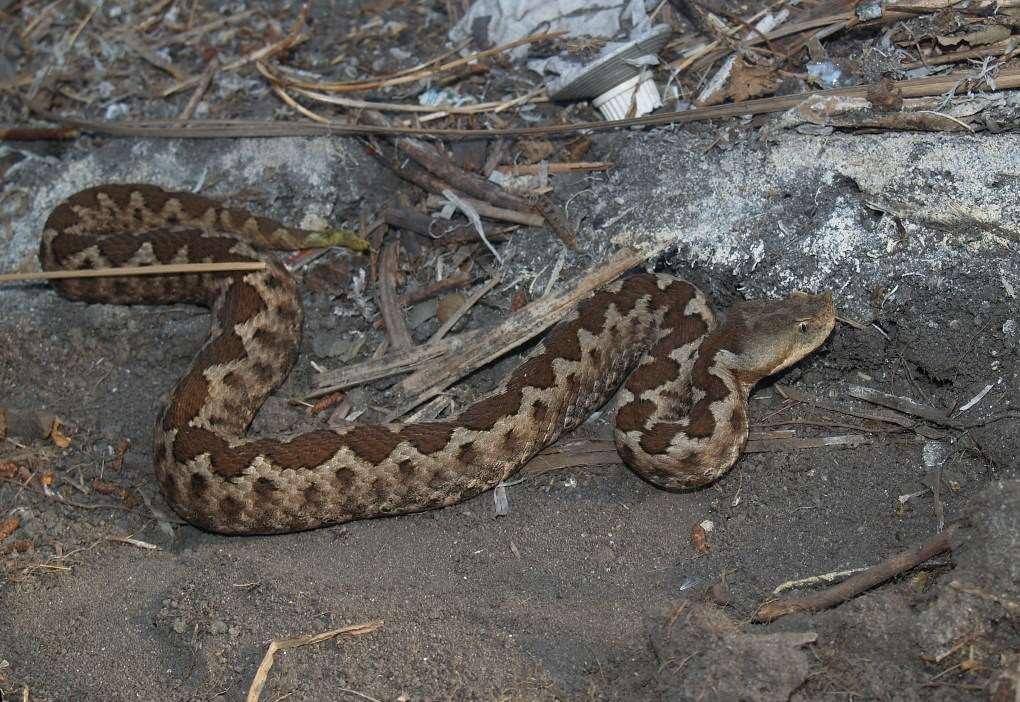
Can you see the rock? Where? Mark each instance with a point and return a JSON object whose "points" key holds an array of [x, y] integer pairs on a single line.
{"points": [[985, 585], [704, 655], [236, 165]]}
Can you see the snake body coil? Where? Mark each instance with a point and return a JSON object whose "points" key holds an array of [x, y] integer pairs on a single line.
{"points": [[681, 422]]}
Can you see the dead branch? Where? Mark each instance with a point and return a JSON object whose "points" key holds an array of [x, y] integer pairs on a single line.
{"points": [[436, 163], [454, 280], [855, 585]]}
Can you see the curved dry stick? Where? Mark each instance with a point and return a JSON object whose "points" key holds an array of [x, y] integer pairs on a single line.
{"points": [[853, 586]]}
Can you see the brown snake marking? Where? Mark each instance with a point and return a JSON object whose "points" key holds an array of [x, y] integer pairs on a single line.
{"points": [[681, 423]]}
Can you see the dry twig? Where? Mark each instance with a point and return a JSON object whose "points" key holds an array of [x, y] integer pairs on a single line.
{"points": [[259, 681], [855, 585], [488, 211]]}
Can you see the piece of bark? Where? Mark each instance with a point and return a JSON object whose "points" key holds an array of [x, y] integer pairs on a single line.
{"points": [[556, 221], [29, 425], [389, 302]]}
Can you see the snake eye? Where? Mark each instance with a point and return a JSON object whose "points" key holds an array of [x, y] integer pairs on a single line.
{"points": [[803, 327]]}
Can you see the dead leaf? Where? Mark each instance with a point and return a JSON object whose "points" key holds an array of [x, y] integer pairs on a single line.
{"points": [[883, 98], [105, 488], [8, 469], [536, 150], [118, 455], [448, 306], [519, 300], [749, 81], [58, 437], [8, 527], [699, 540], [575, 150]]}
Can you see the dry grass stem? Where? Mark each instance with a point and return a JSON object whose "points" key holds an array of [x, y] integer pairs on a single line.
{"points": [[816, 579], [134, 542], [200, 90], [376, 83], [288, 42], [793, 444], [168, 269], [259, 681], [425, 109], [536, 168]]}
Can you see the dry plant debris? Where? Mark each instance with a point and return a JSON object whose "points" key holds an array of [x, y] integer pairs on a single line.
{"points": [[796, 50], [276, 645], [859, 582]]}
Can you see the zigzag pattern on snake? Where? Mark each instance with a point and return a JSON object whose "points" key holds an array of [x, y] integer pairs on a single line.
{"points": [[681, 419]]}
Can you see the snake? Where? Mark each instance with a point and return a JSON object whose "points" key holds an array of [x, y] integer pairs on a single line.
{"points": [[681, 376]]}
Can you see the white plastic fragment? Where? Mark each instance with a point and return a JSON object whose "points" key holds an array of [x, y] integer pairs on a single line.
{"points": [[828, 74], [501, 500], [503, 21], [870, 10], [633, 98]]}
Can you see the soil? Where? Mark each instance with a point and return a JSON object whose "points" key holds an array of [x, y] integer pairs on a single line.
{"points": [[592, 587]]}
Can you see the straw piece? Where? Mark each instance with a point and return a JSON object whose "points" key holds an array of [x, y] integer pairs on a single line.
{"points": [[170, 269]]}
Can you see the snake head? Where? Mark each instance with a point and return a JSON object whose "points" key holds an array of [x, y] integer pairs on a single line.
{"points": [[774, 334]]}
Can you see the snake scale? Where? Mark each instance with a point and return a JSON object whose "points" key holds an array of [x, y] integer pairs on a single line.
{"points": [[683, 378]]}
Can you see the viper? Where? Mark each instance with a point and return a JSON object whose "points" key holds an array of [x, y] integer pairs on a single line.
{"points": [[682, 377]]}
